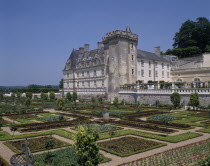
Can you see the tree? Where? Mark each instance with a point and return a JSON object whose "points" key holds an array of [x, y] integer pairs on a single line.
{"points": [[13, 95], [60, 103], [44, 96], [29, 95], [18, 95], [1, 96], [86, 146], [74, 96], [194, 100], [116, 102], [61, 84], [193, 34], [13, 129], [52, 95], [69, 96], [175, 99], [28, 102]]}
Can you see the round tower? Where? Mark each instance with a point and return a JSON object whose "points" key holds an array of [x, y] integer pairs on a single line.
{"points": [[120, 49]]}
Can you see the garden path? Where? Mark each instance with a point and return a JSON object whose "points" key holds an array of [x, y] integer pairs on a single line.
{"points": [[6, 153], [10, 120]]}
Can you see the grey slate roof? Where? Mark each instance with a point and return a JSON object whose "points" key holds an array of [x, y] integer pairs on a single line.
{"points": [[149, 55]]}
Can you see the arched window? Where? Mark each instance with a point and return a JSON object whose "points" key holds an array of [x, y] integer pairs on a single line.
{"points": [[179, 80]]}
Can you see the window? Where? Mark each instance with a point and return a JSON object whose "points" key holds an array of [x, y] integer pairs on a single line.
{"points": [[196, 80], [83, 84], [162, 65], [179, 80], [142, 73], [83, 74], [132, 71], [102, 71], [168, 66], [156, 64], [131, 45], [162, 74], [142, 63], [149, 64], [88, 83], [168, 74], [132, 57], [67, 75], [77, 75], [68, 84], [150, 73], [102, 83], [88, 73], [77, 84], [94, 72], [156, 73], [95, 83]]}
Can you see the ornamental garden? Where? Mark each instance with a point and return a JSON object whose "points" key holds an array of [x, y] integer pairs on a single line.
{"points": [[59, 131]]}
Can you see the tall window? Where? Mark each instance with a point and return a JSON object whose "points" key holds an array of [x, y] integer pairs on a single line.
{"points": [[88, 73], [67, 84], [156, 73], [77, 75], [132, 71], [83, 74], [102, 83], [168, 66], [162, 74], [168, 74], [77, 84], [150, 73], [142, 63], [88, 83], [142, 73], [131, 45], [149, 64], [95, 83], [94, 72], [132, 57], [162, 65], [156, 64], [83, 84]]}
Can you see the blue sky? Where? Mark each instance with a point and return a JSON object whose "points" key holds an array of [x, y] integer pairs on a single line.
{"points": [[37, 36]]}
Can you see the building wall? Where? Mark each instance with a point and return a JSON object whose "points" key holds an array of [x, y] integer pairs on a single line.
{"points": [[150, 70]]}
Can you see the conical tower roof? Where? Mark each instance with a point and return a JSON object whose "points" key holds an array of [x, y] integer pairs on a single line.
{"points": [[128, 29]]}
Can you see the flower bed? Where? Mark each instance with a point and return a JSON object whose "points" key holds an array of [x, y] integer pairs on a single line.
{"points": [[190, 154], [143, 126], [34, 112], [101, 128], [35, 144], [126, 146]]}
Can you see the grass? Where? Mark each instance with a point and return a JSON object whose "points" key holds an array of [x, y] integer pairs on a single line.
{"points": [[206, 130], [173, 139]]}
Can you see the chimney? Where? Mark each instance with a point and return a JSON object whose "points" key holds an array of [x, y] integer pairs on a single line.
{"points": [[157, 50], [100, 45], [81, 49], [86, 47]]}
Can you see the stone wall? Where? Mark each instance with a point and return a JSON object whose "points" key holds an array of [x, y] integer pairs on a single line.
{"points": [[162, 98]]}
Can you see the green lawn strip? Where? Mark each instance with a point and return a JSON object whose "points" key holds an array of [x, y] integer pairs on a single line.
{"points": [[3, 162], [173, 139], [25, 121], [14, 149], [60, 132], [206, 130]]}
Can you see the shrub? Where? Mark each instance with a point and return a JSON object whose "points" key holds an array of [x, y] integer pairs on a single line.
{"points": [[194, 100], [60, 103], [116, 102], [28, 102], [52, 95], [29, 95], [69, 96], [175, 99]]}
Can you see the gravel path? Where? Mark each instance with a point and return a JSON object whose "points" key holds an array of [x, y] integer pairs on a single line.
{"points": [[10, 120]]}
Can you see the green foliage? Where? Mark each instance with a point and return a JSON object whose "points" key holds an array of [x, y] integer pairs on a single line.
{"points": [[93, 99], [86, 146], [60, 103], [194, 100], [53, 118], [74, 96], [116, 102], [1, 96], [192, 33], [69, 96], [13, 95], [49, 144], [44, 96], [175, 99], [166, 119], [29, 95], [18, 95], [61, 84], [28, 102], [52, 95]]}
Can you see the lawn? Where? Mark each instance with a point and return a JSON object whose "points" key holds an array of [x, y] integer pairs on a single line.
{"points": [[128, 145]]}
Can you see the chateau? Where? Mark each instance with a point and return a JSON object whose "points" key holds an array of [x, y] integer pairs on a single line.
{"points": [[117, 61]]}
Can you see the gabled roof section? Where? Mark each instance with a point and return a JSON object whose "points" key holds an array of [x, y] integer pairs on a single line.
{"points": [[149, 55]]}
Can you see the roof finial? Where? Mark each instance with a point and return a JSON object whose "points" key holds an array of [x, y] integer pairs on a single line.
{"points": [[128, 29]]}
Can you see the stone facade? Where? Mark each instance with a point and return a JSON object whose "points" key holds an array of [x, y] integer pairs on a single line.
{"points": [[115, 62]]}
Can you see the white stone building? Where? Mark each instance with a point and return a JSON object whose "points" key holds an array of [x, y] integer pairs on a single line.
{"points": [[115, 62]]}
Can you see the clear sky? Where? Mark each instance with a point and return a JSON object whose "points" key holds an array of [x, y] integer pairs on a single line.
{"points": [[37, 36]]}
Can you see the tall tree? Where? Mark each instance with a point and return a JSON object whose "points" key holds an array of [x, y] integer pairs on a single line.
{"points": [[69, 96], [194, 100], [175, 99]]}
